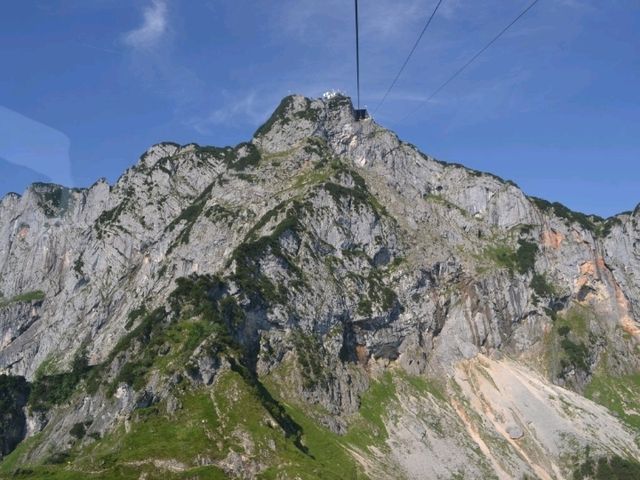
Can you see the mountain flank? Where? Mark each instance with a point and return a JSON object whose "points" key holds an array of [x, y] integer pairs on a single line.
{"points": [[323, 301]]}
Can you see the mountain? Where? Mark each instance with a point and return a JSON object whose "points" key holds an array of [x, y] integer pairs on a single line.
{"points": [[324, 301]]}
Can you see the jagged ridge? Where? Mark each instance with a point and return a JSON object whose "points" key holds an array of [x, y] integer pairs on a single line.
{"points": [[331, 275]]}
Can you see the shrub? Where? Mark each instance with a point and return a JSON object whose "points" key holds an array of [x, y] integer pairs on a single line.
{"points": [[78, 266], [577, 354], [251, 159], [78, 430], [134, 315], [541, 286], [389, 298], [526, 256], [50, 390], [365, 307], [57, 458], [613, 468], [503, 256]]}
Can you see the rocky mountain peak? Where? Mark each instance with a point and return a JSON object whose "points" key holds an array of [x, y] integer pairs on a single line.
{"points": [[356, 293]]}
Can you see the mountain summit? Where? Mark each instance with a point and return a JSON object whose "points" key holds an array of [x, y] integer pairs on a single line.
{"points": [[323, 301]]}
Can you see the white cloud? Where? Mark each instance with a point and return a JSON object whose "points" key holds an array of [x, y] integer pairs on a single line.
{"points": [[154, 27], [249, 108]]}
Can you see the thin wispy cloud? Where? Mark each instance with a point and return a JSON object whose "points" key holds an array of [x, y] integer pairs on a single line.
{"points": [[238, 109], [387, 27], [153, 28], [161, 69]]}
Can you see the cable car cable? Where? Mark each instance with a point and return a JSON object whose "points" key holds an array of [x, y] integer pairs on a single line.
{"points": [[404, 65], [357, 55], [470, 61]]}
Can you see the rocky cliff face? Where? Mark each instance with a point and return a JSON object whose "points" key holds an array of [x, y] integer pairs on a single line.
{"points": [[324, 300]]}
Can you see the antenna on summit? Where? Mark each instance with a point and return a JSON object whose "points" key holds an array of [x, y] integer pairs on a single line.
{"points": [[360, 114]]}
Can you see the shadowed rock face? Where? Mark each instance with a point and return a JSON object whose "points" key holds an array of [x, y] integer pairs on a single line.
{"points": [[325, 257], [14, 392]]}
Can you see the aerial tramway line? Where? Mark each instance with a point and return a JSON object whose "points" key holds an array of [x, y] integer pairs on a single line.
{"points": [[361, 113]]}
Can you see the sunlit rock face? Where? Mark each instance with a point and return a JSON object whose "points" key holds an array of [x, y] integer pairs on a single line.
{"points": [[335, 267]]}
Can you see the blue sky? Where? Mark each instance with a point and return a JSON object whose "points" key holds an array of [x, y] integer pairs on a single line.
{"points": [[88, 85]]}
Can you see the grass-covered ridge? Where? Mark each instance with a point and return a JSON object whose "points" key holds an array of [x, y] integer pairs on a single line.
{"points": [[213, 423], [599, 226]]}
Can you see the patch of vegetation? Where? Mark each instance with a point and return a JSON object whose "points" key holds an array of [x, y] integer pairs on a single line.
{"points": [[317, 146], [604, 229], [503, 256], [111, 216], [521, 260], [255, 285], [189, 216], [577, 319], [311, 177], [423, 385], [279, 115], [359, 194], [607, 468], [388, 298], [542, 287], [134, 315], [78, 266], [620, 395], [377, 294], [148, 336], [593, 223], [571, 342], [50, 390], [309, 350], [526, 256], [47, 367], [365, 307], [577, 355], [27, 297], [164, 340], [162, 271], [370, 429], [250, 159], [79, 430], [291, 429], [52, 199], [471, 171], [57, 458], [440, 199], [247, 177], [308, 112]]}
